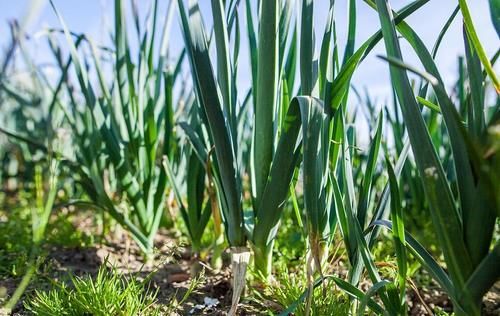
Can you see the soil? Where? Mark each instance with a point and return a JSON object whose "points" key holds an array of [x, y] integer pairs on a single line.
{"points": [[172, 276], [170, 269]]}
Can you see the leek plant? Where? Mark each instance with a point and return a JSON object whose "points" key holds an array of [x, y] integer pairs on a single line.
{"points": [[219, 107], [128, 127], [333, 161], [275, 146], [336, 195], [403, 168], [464, 286], [463, 222]]}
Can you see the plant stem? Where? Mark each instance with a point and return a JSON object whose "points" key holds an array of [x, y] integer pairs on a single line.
{"points": [[217, 250], [263, 260], [32, 267], [240, 256]]}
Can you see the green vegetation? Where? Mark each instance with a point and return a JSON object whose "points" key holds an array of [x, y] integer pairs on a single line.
{"points": [[124, 130], [289, 286], [332, 219], [108, 294]]}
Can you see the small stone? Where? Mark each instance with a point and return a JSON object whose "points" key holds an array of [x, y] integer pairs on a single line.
{"points": [[178, 277]]}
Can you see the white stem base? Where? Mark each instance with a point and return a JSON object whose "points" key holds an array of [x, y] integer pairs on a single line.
{"points": [[240, 257]]}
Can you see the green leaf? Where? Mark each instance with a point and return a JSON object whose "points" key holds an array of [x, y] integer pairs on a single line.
{"points": [[177, 194], [379, 212], [495, 14], [471, 31], [367, 184], [476, 106], [485, 275], [432, 267], [307, 71], [351, 31], [326, 59], [253, 51], [398, 233], [374, 289], [267, 94], [223, 61], [429, 104]]}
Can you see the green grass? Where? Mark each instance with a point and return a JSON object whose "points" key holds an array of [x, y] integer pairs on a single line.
{"points": [[16, 239], [287, 288], [110, 293]]}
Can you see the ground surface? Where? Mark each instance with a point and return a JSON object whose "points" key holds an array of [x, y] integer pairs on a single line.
{"points": [[172, 276]]}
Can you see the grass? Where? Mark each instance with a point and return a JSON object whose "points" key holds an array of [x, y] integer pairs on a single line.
{"points": [[288, 287], [15, 237], [110, 293]]}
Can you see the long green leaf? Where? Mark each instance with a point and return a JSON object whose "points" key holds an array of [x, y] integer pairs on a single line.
{"points": [[367, 184], [267, 88], [471, 31], [398, 233]]}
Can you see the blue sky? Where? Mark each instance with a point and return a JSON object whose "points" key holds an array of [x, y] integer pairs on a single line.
{"points": [[94, 18]]}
